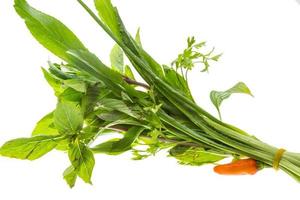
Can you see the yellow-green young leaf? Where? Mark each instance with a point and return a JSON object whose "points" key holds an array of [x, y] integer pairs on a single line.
{"points": [[82, 160], [108, 15], [76, 84], [117, 146], [45, 126], [217, 97], [29, 148], [54, 82], [117, 59], [138, 37], [68, 118], [70, 176], [128, 72], [50, 32]]}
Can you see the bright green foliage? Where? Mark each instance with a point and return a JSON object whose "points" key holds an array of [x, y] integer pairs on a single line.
{"points": [[192, 55], [217, 97], [29, 148], [50, 32], [194, 155], [94, 99], [117, 59], [45, 126], [83, 162], [68, 118]]}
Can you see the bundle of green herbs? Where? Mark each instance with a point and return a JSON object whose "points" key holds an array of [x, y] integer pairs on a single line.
{"points": [[160, 113]]}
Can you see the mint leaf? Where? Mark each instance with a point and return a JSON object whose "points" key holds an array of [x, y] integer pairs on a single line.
{"points": [[117, 59], [217, 97], [50, 32], [68, 118], [45, 126], [82, 160], [29, 148]]}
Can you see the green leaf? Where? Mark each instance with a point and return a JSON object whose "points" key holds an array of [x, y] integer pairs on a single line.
{"points": [[50, 32], [107, 13], [177, 81], [82, 160], [117, 59], [45, 126], [70, 176], [70, 94], [89, 100], [54, 82], [194, 156], [118, 146], [217, 97], [128, 72], [138, 37], [118, 105], [68, 118], [29, 148], [76, 84]]}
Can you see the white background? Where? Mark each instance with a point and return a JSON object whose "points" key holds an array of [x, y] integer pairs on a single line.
{"points": [[261, 45]]}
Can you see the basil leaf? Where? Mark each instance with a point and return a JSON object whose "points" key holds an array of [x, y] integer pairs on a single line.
{"points": [[217, 97], [68, 118], [29, 148], [117, 59], [70, 176], [45, 126], [70, 94], [82, 160], [121, 145], [50, 32]]}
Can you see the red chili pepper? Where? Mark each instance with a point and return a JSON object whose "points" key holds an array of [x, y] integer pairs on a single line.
{"points": [[239, 167]]}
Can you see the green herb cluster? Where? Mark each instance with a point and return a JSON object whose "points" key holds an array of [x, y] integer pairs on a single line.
{"points": [[95, 99]]}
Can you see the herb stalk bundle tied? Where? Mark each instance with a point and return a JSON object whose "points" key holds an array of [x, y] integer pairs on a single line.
{"points": [[157, 113]]}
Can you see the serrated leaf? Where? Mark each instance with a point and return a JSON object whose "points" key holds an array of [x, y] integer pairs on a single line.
{"points": [[50, 32], [117, 59], [45, 126], [217, 97], [68, 118], [29, 148], [70, 176], [117, 146], [82, 160], [194, 155]]}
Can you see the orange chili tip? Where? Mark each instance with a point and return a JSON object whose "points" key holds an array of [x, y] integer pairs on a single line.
{"points": [[239, 167]]}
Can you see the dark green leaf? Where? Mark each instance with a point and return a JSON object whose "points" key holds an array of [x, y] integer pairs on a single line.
{"points": [[29, 148], [68, 118]]}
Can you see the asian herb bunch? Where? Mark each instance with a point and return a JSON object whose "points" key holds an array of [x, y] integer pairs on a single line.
{"points": [[94, 99]]}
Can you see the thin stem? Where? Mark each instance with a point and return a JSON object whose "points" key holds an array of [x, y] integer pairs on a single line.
{"points": [[133, 82]]}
